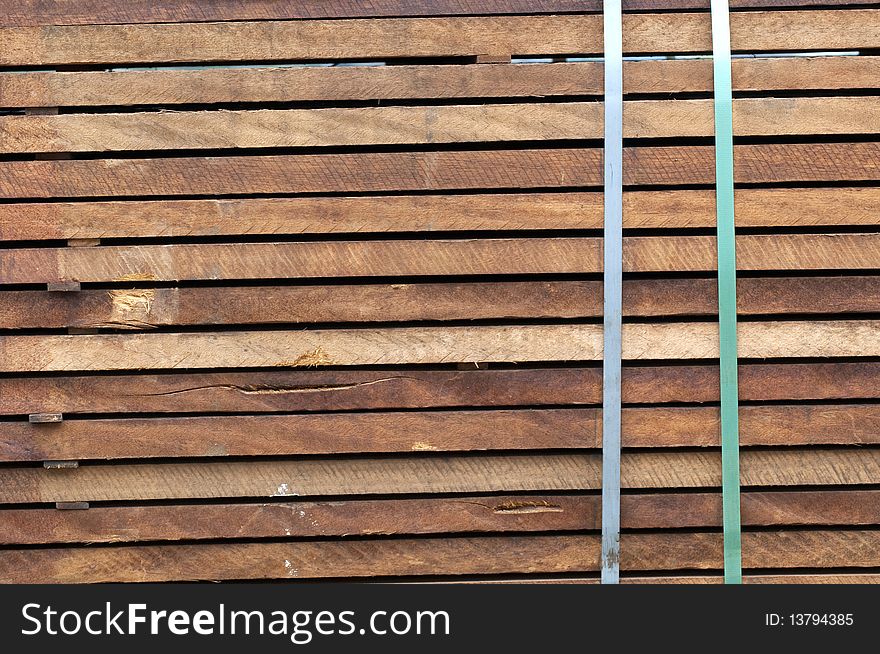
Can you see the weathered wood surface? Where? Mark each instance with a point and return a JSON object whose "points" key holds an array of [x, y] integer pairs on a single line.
{"points": [[445, 431], [435, 515], [432, 474], [423, 257], [234, 85], [147, 308], [402, 125], [431, 37], [432, 556], [349, 390], [429, 345], [98, 12], [422, 171], [784, 207], [635, 578]]}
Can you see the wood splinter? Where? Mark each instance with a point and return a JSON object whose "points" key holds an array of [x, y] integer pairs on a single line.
{"points": [[71, 506]]}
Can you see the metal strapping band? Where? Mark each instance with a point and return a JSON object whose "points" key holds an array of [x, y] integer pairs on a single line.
{"points": [[726, 291], [613, 275]]}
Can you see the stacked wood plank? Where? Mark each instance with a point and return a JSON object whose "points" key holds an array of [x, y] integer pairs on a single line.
{"points": [[265, 317]]}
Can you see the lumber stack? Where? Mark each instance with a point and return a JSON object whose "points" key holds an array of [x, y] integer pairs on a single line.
{"points": [[314, 290]]}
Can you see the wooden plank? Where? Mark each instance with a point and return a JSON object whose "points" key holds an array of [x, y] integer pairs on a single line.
{"points": [[789, 578], [320, 390], [431, 556], [434, 515], [403, 125], [384, 346], [785, 578], [146, 308], [430, 37], [420, 171], [234, 85], [498, 256], [447, 431], [431, 474], [401, 213], [97, 12]]}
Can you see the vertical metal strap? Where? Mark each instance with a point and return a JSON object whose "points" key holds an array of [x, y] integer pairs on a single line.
{"points": [[613, 267], [726, 291]]}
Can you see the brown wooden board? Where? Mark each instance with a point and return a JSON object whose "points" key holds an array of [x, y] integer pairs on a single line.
{"points": [[423, 257], [322, 390], [351, 433], [267, 128], [785, 207], [679, 578], [432, 556], [431, 37], [430, 345], [97, 12], [147, 308], [267, 84], [432, 474], [423, 171], [432, 515]]}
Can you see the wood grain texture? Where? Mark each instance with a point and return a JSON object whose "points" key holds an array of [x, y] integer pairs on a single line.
{"points": [[389, 258], [147, 308], [431, 37], [402, 213], [97, 12], [233, 85], [423, 171], [691, 579], [432, 474], [431, 515], [401, 125], [431, 556], [427, 345], [445, 431], [320, 390]]}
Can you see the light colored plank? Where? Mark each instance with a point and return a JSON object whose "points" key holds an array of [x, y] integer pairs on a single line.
{"points": [[346, 347], [430, 37], [266, 128], [445, 170], [230, 85], [91, 12]]}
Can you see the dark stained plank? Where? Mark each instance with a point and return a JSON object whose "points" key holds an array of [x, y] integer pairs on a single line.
{"points": [[538, 168], [445, 431], [147, 308], [434, 515], [424, 257], [321, 390], [432, 556], [432, 474], [782, 207]]}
